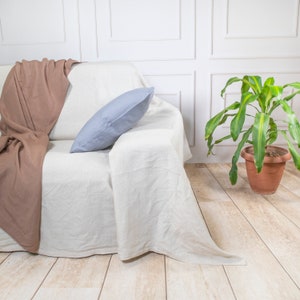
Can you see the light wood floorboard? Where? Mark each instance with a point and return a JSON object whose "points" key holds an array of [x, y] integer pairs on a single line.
{"points": [[74, 278], [265, 230], [143, 278]]}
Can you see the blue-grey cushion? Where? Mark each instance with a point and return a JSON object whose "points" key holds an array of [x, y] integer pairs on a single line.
{"points": [[112, 120]]}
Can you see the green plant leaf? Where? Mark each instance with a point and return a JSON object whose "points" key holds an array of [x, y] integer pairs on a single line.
{"points": [[275, 104], [225, 117], [238, 121], [276, 90], [293, 123], [245, 85], [212, 124], [293, 151], [291, 96], [259, 137], [269, 81], [267, 94], [217, 120], [295, 155], [295, 85], [266, 97], [272, 132], [233, 174], [255, 83], [210, 145], [229, 82], [227, 137]]}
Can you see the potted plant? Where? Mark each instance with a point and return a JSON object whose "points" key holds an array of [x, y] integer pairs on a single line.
{"points": [[265, 97]]}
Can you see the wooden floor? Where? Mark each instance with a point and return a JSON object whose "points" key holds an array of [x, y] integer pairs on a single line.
{"points": [[263, 229]]}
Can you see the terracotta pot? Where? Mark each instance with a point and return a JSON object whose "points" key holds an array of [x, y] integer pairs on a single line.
{"points": [[267, 181]]}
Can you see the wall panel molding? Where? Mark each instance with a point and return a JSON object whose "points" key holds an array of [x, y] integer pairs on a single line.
{"points": [[35, 31], [33, 27], [245, 19], [142, 26], [246, 29], [88, 34], [158, 30]]}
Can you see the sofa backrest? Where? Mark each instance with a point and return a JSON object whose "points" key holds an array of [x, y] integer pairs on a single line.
{"points": [[92, 85]]}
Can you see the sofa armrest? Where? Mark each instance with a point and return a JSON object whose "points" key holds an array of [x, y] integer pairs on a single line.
{"points": [[161, 125], [146, 170], [153, 199]]}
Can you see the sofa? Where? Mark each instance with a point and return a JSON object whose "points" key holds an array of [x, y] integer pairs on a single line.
{"points": [[129, 198]]}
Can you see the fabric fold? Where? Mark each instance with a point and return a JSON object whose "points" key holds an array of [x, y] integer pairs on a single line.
{"points": [[155, 207]]}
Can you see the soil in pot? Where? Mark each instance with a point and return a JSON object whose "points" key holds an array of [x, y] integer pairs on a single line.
{"points": [[267, 181]]}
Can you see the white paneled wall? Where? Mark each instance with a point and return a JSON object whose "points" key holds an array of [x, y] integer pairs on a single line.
{"points": [[186, 49], [255, 29], [34, 29], [146, 30]]}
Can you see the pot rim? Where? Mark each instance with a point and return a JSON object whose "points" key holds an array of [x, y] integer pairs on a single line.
{"points": [[282, 158]]}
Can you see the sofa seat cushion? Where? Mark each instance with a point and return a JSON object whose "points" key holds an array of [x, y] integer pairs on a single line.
{"points": [[77, 207]]}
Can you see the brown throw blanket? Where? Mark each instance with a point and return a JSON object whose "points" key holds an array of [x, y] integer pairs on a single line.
{"points": [[32, 98]]}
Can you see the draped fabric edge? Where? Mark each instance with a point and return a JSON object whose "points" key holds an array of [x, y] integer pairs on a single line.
{"points": [[31, 101]]}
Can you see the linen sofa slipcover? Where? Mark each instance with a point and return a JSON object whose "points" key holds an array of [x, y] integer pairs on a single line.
{"points": [[129, 199]]}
